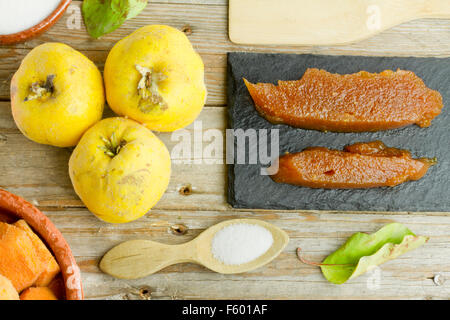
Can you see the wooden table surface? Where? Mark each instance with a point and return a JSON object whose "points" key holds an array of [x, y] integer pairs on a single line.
{"points": [[39, 173]]}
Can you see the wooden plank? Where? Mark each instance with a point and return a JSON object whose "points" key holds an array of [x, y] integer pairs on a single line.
{"points": [[40, 172], [215, 71], [208, 23], [408, 277], [209, 33]]}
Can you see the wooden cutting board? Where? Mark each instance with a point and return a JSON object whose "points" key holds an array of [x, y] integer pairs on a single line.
{"points": [[323, 22]]}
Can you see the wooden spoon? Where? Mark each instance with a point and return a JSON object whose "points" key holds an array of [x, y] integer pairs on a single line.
{"points": [[323, 22], [139, 258]]}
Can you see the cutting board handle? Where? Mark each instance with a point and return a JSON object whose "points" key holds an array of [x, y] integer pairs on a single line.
{"points": [[323, 22], [437, 9]]}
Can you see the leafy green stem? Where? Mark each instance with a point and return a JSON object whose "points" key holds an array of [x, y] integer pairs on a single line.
{"points": [[112, 146], [302, 259]]}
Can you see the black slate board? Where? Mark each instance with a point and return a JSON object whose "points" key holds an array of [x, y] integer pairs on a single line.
{"points": [[247, 188]]}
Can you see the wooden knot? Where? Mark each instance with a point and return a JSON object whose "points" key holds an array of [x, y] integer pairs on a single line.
{"points": [[186, 190], [145, 293], [187, 30], [438, 280], [179, 229]]}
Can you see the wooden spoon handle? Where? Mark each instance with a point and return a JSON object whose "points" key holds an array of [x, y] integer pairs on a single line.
{"points": [[139, 258]]}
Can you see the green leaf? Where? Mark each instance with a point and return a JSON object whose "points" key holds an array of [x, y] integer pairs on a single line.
{"points": [[104, 16], [363, 251]]}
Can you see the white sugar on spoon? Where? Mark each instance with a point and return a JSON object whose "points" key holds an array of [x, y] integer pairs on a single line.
{"points": [[241, 243], [19, 15]]}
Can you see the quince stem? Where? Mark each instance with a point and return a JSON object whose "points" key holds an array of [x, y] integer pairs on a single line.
{"points": [[112, 147], [148, 87], [40, 90]]}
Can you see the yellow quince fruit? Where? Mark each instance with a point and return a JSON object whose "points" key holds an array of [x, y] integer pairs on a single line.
{"points": [[56, 95], [119, 169], [155, 77]]}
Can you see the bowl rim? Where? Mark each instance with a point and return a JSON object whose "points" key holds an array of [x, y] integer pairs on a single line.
{"points": [[37, 29], [41, 224]]}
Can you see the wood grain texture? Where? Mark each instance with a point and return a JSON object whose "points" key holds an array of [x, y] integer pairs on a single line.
{"points": [[39, 173], [208, 24], [408, 277], [323, 22]]}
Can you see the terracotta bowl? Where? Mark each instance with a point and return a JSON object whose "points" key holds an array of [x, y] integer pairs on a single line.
{"points": [[13, 207], [37, 29]]}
